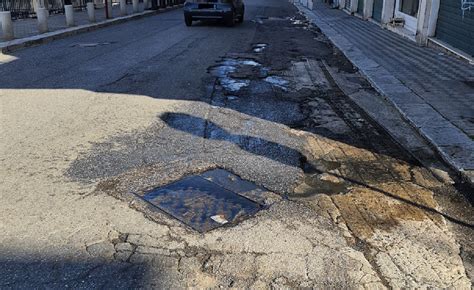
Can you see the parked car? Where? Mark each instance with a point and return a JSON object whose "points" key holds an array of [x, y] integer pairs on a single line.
{"points": [[230, 11]]}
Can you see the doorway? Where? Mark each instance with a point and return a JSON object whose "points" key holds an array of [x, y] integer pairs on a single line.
{"points": [[408, 10], [377, 10]]}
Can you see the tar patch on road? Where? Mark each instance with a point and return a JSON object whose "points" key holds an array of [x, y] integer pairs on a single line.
{"points": [[209, 200]]}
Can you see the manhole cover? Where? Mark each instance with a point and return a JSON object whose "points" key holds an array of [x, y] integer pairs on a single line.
{"points": [[208, 200]]}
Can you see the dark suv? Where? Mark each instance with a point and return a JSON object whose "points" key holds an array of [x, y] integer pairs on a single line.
{"points": [[227, 10]]}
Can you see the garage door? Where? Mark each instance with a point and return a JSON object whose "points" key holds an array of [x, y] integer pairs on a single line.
{"points": [[455, 27]]}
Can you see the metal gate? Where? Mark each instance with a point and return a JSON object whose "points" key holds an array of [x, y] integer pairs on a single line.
{"points": [[79, 4], [455, 24], [18, 8], [25, 8], [55, 6]]}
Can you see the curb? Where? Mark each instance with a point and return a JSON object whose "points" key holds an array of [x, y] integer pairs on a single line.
{"points": [[420, 115], [16, 44]]}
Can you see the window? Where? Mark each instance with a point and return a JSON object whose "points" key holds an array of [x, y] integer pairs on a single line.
{"points": [[409, 7]]}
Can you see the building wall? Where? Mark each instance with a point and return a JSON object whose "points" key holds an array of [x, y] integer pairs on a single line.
{"points": [[443, 19]]}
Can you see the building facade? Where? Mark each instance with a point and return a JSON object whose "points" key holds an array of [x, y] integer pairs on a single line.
{"points": [[446, 23]]}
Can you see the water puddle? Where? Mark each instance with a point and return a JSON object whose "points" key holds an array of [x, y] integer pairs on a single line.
{"points": [[231, 62], [250, 62], [324, 183], [296, 21], [278, 18], [233, 85], [259, 47], [277, 82], [222, 71], [228, 66]]}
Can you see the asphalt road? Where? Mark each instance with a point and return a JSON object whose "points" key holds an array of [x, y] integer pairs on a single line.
{"points": [[159, 46], [92, 122]]}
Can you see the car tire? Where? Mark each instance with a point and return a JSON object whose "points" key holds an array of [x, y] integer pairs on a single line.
{"points": [[188, 20], [240, 19], [230, 21]]}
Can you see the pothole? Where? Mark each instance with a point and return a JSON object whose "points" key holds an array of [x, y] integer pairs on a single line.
{"points": [[259, 47], [321, 177], [277, 82], [233, 85], [226, 69], [250, 62], [296, 22], [232, 98], [324, 183], [208, 200], [222, 70]]}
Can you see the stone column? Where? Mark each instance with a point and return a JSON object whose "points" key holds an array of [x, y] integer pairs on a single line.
{"points": [[427, 18], [123, 7], [42, 15], [36, 5], [135, 6], [388, 10], [7, 24], [341, 3], [91, 11], [353, 8], [69, 12], [146, 4], [368, 9]]}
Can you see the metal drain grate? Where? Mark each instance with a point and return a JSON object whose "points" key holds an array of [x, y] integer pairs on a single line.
{"points": [[208, 200]]}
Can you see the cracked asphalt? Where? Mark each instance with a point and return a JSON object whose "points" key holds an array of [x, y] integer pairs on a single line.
{"points": [[89, 129]]}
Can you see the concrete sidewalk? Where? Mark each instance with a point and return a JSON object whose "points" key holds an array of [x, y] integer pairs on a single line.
{"points": [[433, 91]]}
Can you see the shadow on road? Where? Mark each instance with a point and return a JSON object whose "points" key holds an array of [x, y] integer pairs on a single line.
{"points": [[181, 122], [27, 273], [254, 145]]}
